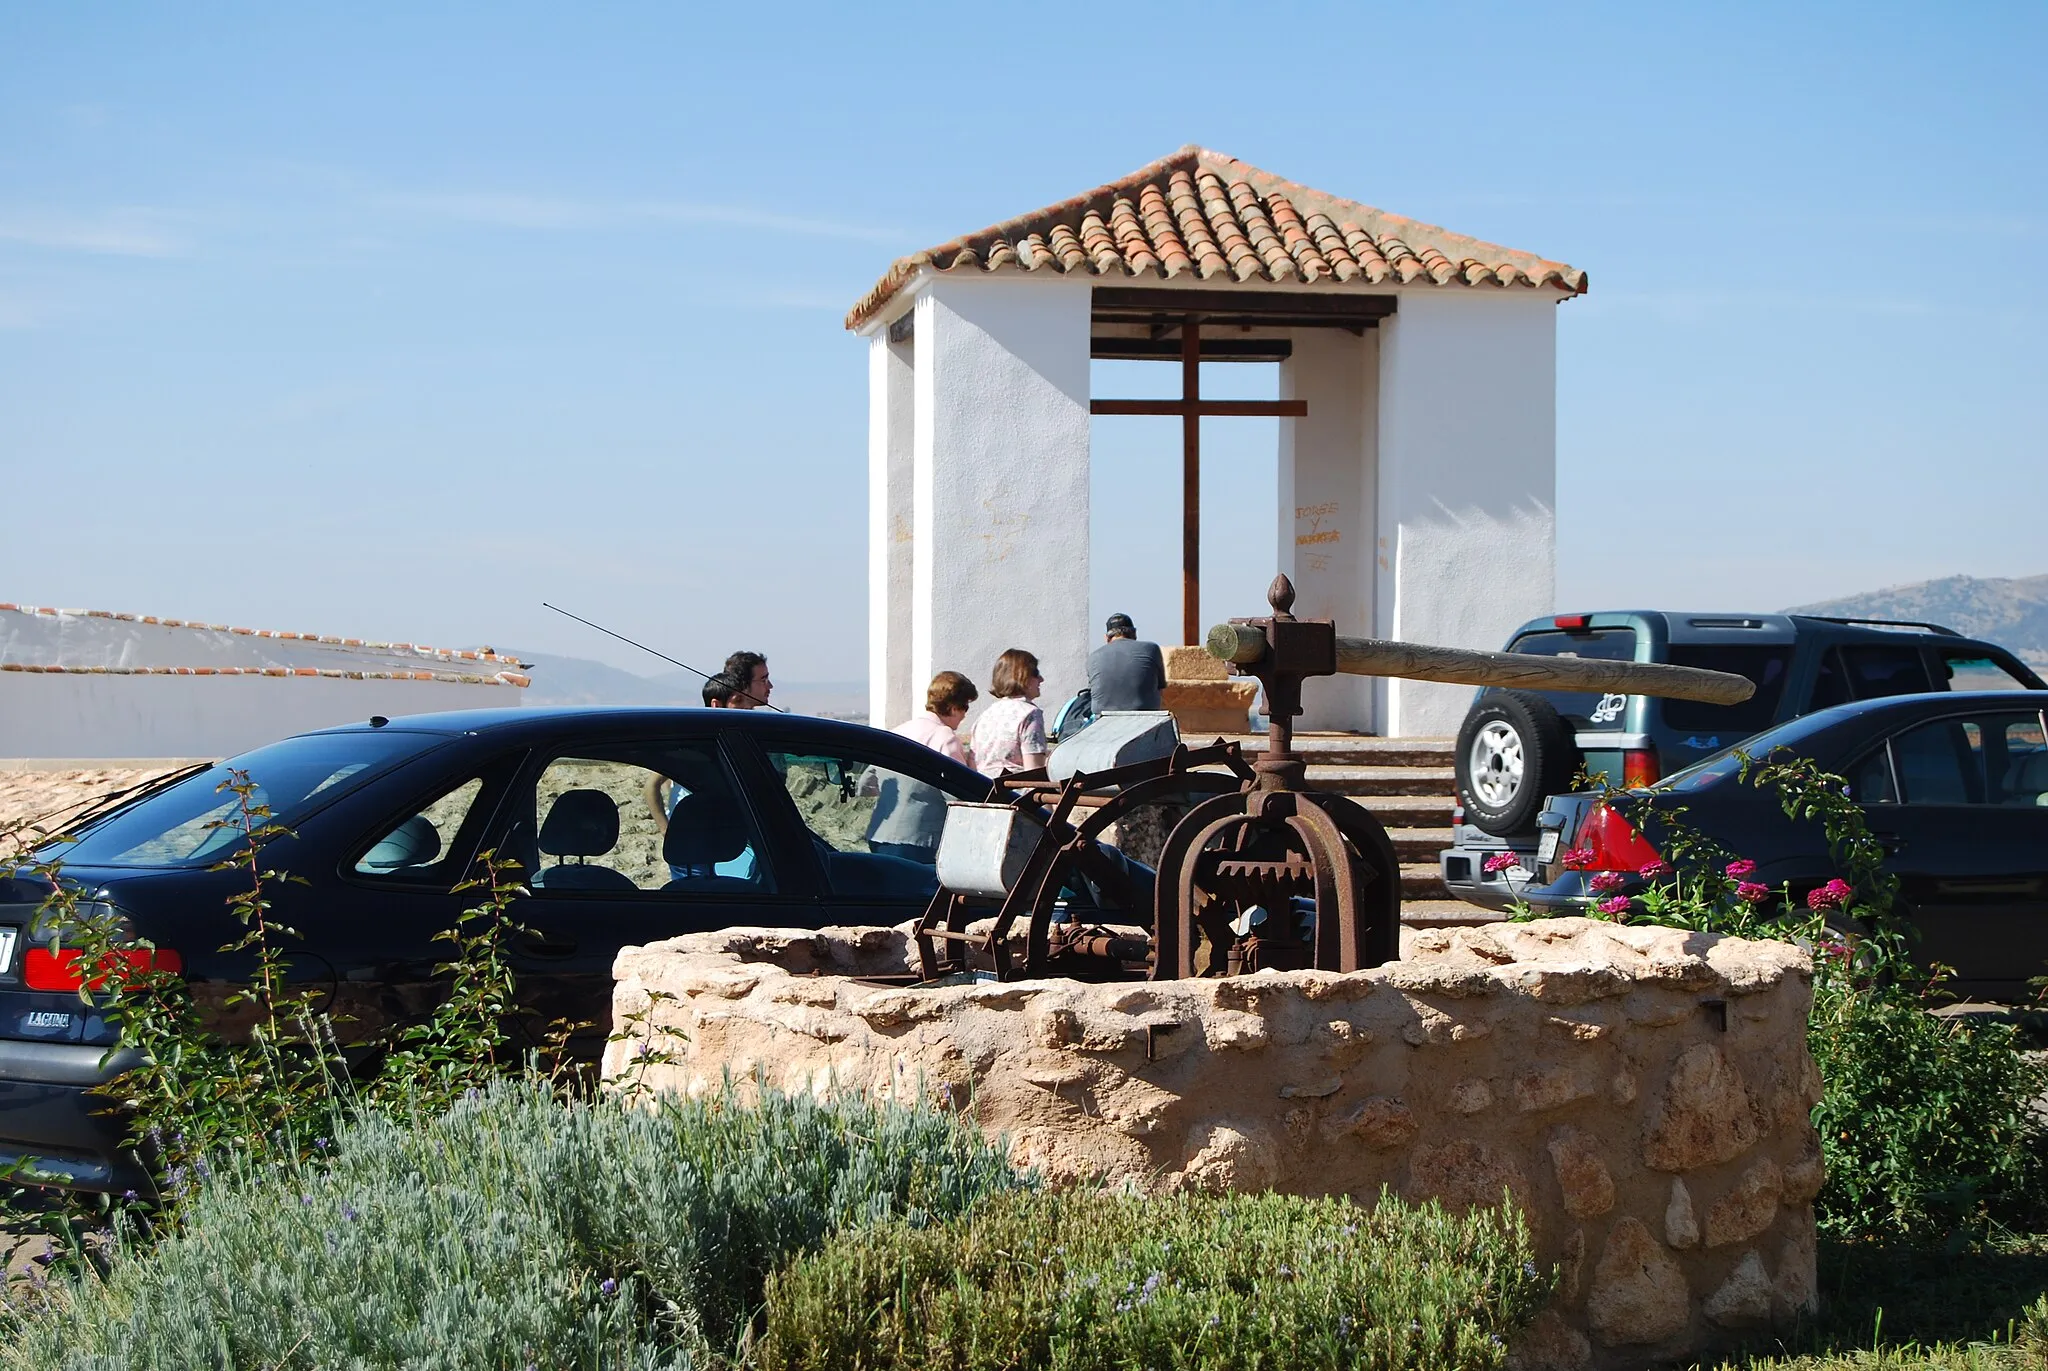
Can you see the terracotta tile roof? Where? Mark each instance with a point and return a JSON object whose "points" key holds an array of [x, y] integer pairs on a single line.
{"points": [[1205, 216]]}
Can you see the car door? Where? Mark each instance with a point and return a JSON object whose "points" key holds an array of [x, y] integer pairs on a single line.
{"points": [[624, 842], [401, 884], [871, 813], [1968, 836]]}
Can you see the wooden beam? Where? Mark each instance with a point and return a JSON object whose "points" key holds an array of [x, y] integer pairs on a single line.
{"points": [[1242, 644], [1215, 304], [1233, 409], [1104, 348]]}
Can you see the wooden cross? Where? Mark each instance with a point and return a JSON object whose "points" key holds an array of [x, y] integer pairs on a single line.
{"points": [[1191, 407]]}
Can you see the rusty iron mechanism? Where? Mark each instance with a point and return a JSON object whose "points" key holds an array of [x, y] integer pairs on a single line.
{"points": [[1278, 875], [1068, 818], [1261, 872]]}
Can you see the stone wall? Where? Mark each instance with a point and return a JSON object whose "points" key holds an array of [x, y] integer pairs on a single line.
{"points": [[1642, 1093]]}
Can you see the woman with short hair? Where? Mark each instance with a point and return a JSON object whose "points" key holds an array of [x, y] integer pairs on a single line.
{"points": [[910, 814], [1010, 735], [945, 708]]}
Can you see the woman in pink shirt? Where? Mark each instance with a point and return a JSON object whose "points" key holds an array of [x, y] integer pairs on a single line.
{"points": [[945, 707], [1010, 735]]}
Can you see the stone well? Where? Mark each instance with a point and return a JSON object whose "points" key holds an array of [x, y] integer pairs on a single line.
{"points": [[1642, 1093]]}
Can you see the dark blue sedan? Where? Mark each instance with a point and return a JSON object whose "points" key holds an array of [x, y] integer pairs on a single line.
{"points": [[1954, 785], [628, 825]]}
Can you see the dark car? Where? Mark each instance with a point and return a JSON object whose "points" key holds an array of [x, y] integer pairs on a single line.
{"points": [[1954, 785], [628, 825], [1518, 746]]}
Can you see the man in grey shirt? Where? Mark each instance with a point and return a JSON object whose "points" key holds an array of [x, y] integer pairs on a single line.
{"points": [[1124, 674]]}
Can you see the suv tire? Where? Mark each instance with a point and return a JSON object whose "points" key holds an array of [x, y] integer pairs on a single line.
{"points": [[1513, 751]]}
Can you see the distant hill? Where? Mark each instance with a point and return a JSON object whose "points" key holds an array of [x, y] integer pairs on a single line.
{"points": [[559, 681], [2011, 613]]}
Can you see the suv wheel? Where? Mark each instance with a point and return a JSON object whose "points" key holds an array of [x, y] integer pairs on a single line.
{"points": [[1512, 752]]}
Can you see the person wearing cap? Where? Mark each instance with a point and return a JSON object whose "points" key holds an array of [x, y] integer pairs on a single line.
{"points": [[1124, 673]]}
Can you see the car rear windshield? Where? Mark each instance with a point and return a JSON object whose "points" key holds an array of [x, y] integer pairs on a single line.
{"points": [[198, 821], [1604, 644], [1762, 663], [1711, 771]]}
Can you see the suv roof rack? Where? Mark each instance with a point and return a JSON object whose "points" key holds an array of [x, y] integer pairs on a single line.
{"points": [[1942, 629]]}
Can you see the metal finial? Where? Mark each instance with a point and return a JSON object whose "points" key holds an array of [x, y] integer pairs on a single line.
{"points": [[1280, 594]]}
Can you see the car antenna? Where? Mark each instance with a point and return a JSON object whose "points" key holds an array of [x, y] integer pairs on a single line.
{"points": [[663, 655]]}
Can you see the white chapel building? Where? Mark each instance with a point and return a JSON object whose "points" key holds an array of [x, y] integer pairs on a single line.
{"points": [[1417, 424]]}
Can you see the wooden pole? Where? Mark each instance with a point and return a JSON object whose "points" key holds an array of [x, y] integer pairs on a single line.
{"points": [[1242, 645], [1191, 481]]}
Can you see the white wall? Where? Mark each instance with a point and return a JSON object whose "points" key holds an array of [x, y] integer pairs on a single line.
{"points": [[1467, 481], [892, 695], [70, 714], [1000, 529], [1328, 487]]}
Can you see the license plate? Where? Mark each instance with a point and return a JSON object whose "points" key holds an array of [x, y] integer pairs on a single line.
{"points": [[1546, 847], [7, 937]]}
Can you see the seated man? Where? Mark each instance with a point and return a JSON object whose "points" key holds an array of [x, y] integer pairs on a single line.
{"points": [[1124, 674]]}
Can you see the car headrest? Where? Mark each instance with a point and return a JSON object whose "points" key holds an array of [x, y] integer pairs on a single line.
{"points": [[581, 823], [2027, 773], [703, 831], [413, 843]]}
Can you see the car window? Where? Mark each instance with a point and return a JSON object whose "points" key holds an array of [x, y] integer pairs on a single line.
{"points": [[2023, 773], [1880, 669], [1870, 780], [877, 829], [1762, 663], [198, 822], [653, 818], [1997, 759], [422, 847], [1969, 670], [1583, 708]]}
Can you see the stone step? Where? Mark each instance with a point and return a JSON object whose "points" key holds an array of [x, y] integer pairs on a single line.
{"points": [[1384, 780], [1423, 882], [1357, 749], [1419, 844], [1410, 811]]}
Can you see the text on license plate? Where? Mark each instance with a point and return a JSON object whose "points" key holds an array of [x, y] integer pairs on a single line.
{"points": [[7, 937], [1546, 847]]}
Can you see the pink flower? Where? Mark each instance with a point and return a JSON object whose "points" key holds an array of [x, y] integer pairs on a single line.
{"points": [[1749, 892], [1607, 882], [1617, 905], [1500, 861], [1741, 869], [1831, 949], [1579, 856], [1650, 871], [1833, 895]]}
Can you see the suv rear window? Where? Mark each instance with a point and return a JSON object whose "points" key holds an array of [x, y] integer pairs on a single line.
{"points": [[1765, 664], [1603, 644]]}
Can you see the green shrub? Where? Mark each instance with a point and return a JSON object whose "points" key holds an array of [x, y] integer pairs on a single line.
{"points": [[1928, 1124], [510, 1230], [1087, 1280]]}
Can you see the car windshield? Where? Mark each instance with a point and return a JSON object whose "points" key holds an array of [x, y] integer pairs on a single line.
{"points": [[197, 821], [1728, 761]]}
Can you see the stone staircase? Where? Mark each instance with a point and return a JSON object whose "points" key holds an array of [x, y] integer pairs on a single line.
{"points": [[1407, 783]]}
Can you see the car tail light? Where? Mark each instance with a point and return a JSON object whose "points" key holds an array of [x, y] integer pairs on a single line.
{"points": [[1611, 843], [1570, 621], [1458, 813], [1639, 770], [42, 969]]}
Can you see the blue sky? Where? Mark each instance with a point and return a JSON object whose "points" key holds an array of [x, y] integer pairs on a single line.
{"points": [[394, 321]]}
